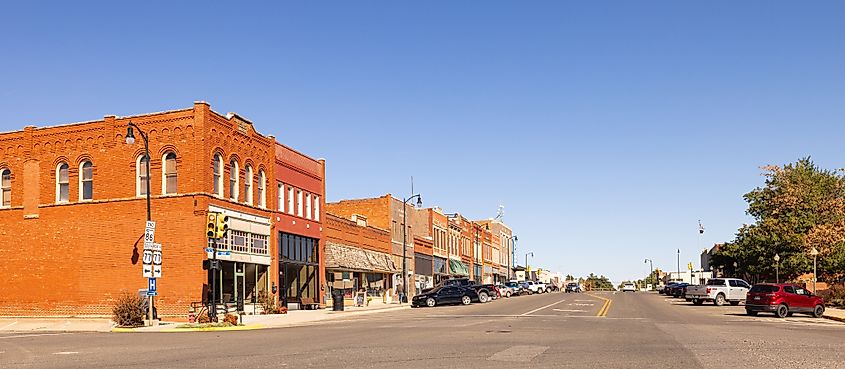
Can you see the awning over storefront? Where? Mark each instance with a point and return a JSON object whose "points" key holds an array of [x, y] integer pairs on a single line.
{"points": [[345, 257], [457, 267]]}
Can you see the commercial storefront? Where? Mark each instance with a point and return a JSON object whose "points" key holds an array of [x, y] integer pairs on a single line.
{"points": [[298, 270], [423, 264], [350, 269], [488, 274], [440, 269], [476, 272], [244, 257]]}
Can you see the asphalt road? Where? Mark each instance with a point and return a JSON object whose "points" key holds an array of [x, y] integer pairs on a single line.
{"points": [[555, 330]]}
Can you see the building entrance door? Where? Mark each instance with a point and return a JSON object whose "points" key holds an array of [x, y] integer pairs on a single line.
{"points": [[240, 281]]}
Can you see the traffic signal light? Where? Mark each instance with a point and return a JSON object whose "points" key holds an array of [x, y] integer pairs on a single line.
{"points": [[222, 225], [211, 225]]}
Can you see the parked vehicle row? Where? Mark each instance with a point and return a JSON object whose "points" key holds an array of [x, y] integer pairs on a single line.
{"points": [[781, 299], [466, 291]]}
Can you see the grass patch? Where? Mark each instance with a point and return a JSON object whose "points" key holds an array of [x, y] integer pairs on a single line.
{"points": [[207, 325]]}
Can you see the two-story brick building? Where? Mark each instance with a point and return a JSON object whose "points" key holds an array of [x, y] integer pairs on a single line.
{"points": [[74, 207]]}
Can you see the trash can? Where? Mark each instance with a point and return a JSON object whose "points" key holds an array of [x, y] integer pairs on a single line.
{"points": [[337, 300]]}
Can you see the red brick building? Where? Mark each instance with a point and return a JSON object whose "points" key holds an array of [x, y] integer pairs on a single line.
{"points": [[358, 256], [385, 212], [74, 209], [298, 227]]}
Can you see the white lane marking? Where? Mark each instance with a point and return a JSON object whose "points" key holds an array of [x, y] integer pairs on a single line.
{"points": [[569, 310], [490, 316], [34, 335], [518, 353], [582, 304], [544, 307], [585, 300], [65, 353]]}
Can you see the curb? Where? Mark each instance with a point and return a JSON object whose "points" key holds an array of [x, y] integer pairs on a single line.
{"points": [[836, 318], [178, 330]]}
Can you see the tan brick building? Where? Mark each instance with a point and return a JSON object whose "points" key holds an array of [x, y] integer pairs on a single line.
{"points": [[74, 209]]}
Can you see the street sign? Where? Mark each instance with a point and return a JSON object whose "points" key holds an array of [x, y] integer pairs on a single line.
{"points": [[149, 233], [151, 287]]}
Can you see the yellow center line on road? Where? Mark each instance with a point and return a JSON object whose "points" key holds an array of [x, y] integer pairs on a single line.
{"points": [[603, 311]]}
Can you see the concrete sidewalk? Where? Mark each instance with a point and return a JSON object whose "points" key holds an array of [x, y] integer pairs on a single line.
{"points": [[293, 318], [836, 314]]}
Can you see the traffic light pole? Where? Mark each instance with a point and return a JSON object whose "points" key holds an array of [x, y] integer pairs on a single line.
{"points": [[212, 310]]}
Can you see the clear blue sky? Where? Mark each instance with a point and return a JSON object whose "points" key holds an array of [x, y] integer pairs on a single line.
{"points": [[607, 131]]}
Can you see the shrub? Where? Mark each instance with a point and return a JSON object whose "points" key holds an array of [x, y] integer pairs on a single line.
{"points": [[282, 310], [835, 295], [128, 310], [203, 318], [268, 303], [231, 319]]}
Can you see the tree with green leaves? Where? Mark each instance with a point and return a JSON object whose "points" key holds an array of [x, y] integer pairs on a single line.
{"points": [[800, 207]]}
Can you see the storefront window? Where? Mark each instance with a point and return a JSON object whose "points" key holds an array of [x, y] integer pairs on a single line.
{"points": [[298, 266]]}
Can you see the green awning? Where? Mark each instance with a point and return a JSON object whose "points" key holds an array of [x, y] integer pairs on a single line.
{"points": [[457, 267]]}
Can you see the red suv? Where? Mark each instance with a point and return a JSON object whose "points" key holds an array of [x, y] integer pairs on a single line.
{"points": [[783, 300]]}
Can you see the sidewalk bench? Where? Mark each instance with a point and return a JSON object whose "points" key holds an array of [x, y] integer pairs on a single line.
{"points": [[308, 303]]}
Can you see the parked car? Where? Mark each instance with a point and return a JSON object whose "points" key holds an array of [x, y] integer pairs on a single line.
{"points": [[515, 288], [534, 287], [677, 290], [667, 289], [484, 291], [573, 287], [445, 295], [719, 290], [629, 287], [783, 300], [504, 290]]}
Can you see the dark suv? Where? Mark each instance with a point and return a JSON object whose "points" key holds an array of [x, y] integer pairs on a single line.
{"points": [[485, 291], [573, 287]]}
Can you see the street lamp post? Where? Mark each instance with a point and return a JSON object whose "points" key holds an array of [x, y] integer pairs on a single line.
{"points": [[777, 268], [527, 269], [679, 264], [404, 245], [513, 257], [651, 264], [815, 254], [130, 140]]}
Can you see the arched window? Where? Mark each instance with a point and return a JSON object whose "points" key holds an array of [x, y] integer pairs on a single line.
{"points": [[248, 185], [218, 175], [62, 183], [141, 176], [233, 180], [86, 181], [168, 174], [6, 188], [262, 193]]}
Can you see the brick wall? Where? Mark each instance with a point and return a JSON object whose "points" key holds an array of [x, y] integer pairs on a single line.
{"points": [[347, 232], [73, 258]]}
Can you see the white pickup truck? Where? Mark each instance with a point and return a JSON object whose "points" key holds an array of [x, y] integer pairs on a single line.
{"points": [[535, 287], [719, 290]]}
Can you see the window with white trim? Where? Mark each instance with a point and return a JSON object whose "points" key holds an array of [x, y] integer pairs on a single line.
{"points": [[62, 183], [307, 206], [6, 188], [86, 181], [169, 178], [218, 175], [262, 191], [317, 208], [248, 185], [290, 200], [233, 179], [280, 192], [299, 203], [141, 176]]}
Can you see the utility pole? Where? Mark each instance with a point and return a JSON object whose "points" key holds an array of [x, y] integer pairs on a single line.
{"points": [[679, 264]]}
